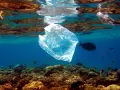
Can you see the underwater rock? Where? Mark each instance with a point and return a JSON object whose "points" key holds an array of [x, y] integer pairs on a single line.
{"points": [[118, 74], [22, 82], [88, 87], [60, 77], [34, 85], [100, 87], [53, 69], [113, 87], [75, 85], [88, 46], [112, 76], [18, 6], [58, 42], [37, 69], [6, 86], [19, 68]]}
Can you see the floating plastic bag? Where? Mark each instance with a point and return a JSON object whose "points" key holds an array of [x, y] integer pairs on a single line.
{"points": [[58, 42]]}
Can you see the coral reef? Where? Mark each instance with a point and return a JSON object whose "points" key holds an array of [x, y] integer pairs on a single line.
{"points": [[34, 85], [58, 77], [18, 5]]}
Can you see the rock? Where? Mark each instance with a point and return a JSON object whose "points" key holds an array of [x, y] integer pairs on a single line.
{"points": [[6, 86], [20, 6], [118, 74], [89, 87], [34, 85], [113, 87]]}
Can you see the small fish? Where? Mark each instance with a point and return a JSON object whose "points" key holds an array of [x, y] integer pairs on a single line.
{"points": [[34, 62], [10, 66], [111, 48], [86, 32], [113, 62], [79, 64], [88, 46]]}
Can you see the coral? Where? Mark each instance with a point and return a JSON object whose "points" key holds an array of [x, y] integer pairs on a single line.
{"points": [[6, 86], [76, 85], [22, 82], [18, 5], [19, 68], [59, 77], [52, 69], [34, 85], [118, 74], [113, 87]]}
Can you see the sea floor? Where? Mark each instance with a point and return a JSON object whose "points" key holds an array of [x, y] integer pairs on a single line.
{"points": [[59, 77]]}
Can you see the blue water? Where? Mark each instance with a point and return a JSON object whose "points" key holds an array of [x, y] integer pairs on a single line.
{"points": [[25, 50]]}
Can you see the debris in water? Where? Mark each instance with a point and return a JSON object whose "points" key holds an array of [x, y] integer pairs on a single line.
{"points": [[58, 42]]}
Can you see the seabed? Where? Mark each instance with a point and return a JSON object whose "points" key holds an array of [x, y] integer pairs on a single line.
{"points": [[59, 77]]}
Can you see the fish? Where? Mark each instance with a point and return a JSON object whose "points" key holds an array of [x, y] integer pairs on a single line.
{"points": [[88, 46], [86, 32], [10, 66], [111, 48], [34, 62]]}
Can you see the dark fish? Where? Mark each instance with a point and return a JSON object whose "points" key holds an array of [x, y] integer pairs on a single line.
{"points": [[34, 62], [79, 64], [87, 32], [111, 48], [10, 66], [88, 46], [113, 62]]}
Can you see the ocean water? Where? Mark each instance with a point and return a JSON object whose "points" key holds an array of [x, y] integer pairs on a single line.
{"points": [[25, 49]]}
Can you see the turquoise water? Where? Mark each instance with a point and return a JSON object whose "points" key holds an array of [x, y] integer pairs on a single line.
{"points": [[24, 49]]}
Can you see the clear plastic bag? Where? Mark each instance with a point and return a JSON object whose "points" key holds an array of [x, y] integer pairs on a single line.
{"points": [[58, 42]]}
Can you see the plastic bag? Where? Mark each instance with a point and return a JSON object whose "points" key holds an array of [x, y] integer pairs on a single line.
{"points": [[58, 42]]}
